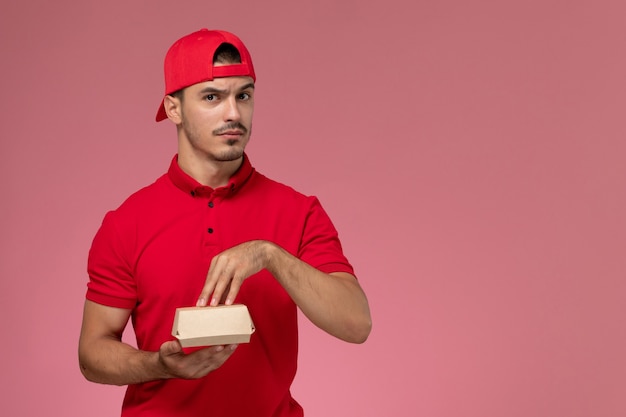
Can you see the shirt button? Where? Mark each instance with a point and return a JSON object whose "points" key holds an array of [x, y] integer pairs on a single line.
{"points": [[211, 204], [210, 230]]}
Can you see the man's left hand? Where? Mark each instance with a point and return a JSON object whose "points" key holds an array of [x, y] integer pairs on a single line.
{"points": [[228, 271]]}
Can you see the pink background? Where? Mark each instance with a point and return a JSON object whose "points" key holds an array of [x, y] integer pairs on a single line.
{"points": [[471, 154]]}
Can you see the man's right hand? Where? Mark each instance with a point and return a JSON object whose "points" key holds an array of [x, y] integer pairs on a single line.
{"points": [[105, 359], [178, 364]]}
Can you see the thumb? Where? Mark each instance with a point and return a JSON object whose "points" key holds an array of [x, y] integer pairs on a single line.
{"points": [[170, 348]]}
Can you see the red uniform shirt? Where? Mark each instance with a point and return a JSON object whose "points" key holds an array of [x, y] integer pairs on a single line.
{"points": [[152, 255]]}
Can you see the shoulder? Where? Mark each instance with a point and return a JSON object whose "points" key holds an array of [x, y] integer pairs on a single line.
{"points": [[141, 203], [270, 195], [260, 184], [147, 196]]}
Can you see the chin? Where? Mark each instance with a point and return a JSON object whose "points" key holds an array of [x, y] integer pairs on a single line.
{"points": [[232, 154]]}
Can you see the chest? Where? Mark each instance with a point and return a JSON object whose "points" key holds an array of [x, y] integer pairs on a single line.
{"points": [[176, 246]]}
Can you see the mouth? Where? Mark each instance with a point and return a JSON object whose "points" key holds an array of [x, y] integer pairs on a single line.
{"points": [[232, 136], [231, 133]]}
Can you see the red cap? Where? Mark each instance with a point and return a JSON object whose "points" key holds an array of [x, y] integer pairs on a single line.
{"points": [[190, 61]]}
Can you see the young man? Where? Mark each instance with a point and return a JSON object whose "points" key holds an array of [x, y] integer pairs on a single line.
{"points": [[213, 231]]}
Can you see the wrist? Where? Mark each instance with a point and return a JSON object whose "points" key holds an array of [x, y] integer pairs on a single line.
{"points": [[271, 254], [160, 369]]}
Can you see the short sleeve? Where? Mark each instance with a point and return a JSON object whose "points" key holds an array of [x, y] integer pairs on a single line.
{"points": [[110, 266], [320, 246]]}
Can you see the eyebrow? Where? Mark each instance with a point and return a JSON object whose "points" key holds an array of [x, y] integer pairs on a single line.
{"points": [[217, 90]]}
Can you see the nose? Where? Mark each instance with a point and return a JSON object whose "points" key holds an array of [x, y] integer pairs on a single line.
{"points": [[231, 111]]}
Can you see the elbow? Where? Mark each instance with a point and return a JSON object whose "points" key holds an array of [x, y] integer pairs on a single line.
{"points": [[85, 369], [90, 372], [83, 363], [358, 331], [93, 376], [364, 331]]}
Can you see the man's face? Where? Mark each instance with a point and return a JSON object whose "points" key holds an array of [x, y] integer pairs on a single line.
{"points": [[216, 118]]}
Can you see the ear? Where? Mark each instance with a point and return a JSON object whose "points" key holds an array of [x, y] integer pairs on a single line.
{"points": [[173, 109]]}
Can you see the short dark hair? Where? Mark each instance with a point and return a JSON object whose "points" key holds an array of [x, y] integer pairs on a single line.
{"points": [[177, 94], [226, 54]]}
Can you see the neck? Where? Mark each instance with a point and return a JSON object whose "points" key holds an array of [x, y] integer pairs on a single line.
{"points": [[209, 172]]}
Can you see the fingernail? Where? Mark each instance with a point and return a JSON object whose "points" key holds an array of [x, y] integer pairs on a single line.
{"points": [[214, 302], [201, 302], [233, 347]]}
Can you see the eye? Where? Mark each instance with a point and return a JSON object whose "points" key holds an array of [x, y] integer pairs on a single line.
{"points": [[244, 96], [210, 97]]}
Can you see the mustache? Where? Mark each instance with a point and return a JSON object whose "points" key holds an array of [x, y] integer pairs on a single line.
{"points": [[230, 126]]}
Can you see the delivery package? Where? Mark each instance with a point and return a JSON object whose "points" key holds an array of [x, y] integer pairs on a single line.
{"points": [[210, 326]]}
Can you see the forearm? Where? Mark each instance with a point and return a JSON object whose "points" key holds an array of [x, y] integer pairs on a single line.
{"points": [[110, 361], [335, 303]]}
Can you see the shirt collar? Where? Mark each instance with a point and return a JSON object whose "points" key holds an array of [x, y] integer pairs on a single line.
{"points": [[192, 187]]}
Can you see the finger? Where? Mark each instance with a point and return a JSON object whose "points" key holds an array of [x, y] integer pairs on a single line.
{"points": [[221, 287], [222, 352], [209, 285], [206, 360], [223, 275], [213, 356], [226, 291], [224, 348], [170, 348], [235, 285]]}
